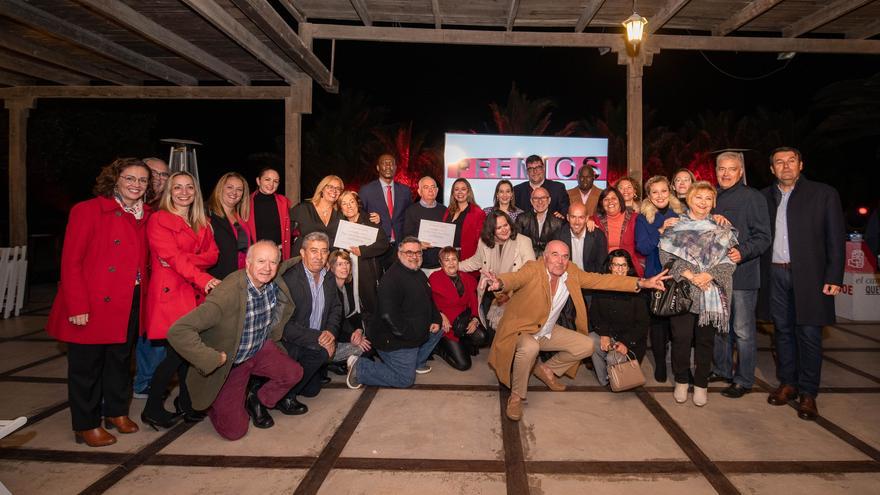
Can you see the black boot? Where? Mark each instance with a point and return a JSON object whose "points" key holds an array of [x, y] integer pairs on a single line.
{"points": [[258, 412], [291, 407]]}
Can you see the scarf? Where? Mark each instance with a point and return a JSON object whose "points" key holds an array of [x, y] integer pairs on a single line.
{"points": [[704, 244], [137, 209]]}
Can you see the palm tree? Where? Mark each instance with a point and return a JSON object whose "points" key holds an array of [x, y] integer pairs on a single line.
{"points": [[415, 157], [527, 117]]}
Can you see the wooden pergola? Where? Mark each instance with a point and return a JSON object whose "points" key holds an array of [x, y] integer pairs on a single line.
{"points": [[262, 49]]}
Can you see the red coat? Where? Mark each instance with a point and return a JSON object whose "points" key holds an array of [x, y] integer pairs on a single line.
{"points": [[179, 258], [627, 240], [284, 214], [104, 248], [470, 230], [447, 300]]}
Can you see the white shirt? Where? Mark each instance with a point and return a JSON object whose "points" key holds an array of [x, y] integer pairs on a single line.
{"points": [[577, 249], [585, 197], [557, 302], [540, 218]]}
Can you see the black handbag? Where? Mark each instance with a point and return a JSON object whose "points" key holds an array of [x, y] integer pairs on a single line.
{"points": [[675, 300], [461, 322]]}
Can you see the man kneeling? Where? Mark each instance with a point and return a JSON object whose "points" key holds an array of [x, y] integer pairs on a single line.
{"points": [[235, 335], [541, 289]]}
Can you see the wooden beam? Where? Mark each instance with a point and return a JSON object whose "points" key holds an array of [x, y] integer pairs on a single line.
{"points": [[14, 79], [511, 14], [594, 40], [292, 150], [268, 20], [823, 16], [41, 71], [435, 8], [25, 47], [126, 16], [293, 10], [587, 15], [668, 11], [156, 92], [634, 123], [24, 13], [18, 116], [868, 31], [746, 15], [361, 8]]}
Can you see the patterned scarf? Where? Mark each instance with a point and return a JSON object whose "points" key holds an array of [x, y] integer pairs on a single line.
{"points": [[704, 244], [137, 209]]}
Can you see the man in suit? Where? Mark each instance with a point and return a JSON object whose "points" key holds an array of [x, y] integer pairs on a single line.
{"points": [[234, 335], [588, 249], [388, 199], [586, 193], [538, 224], [310, 334], [540, 290], [522, 193], [806, 260]]}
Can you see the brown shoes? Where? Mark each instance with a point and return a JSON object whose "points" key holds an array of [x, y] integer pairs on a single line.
{"points": [[514, 407], [96, 437], [807, 408], [123, 424], [782, 395], [545, 375]]}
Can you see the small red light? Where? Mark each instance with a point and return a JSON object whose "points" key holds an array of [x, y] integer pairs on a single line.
{"points": [[862, 210]]}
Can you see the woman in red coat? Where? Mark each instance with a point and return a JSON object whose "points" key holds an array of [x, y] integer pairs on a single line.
{"points": [[618, 224], [270, 212], [456, 299], [97, 309], [468, 218], [182, 249]]}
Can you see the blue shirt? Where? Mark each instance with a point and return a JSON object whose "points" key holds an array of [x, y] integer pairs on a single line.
{"points": [[317, 290], [781, 253], [258, 315]]}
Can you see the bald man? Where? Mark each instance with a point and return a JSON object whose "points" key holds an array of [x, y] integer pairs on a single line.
{"points": [[539, 224]]}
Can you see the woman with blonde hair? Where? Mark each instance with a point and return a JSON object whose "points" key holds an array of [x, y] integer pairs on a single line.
{"points": [[228, 212], [320, 213], [182, 249]]}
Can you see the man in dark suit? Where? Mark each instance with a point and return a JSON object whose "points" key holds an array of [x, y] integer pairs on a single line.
{"points": [[588, 249], [388, 199], [805, 269], [522, 193], [538, 224], [310, 334], [586, 193]]}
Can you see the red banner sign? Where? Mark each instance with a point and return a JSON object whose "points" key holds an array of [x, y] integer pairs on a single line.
{"points": [[557, 168]]}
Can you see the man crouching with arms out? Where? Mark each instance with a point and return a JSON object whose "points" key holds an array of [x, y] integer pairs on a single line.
{"points": [[540, 290], [235, 334]]}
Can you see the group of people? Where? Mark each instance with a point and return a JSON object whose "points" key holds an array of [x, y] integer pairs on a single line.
{"points": [[252, 293]]}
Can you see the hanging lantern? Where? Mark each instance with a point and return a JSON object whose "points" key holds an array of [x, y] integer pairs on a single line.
{"points": [[635, 28]]}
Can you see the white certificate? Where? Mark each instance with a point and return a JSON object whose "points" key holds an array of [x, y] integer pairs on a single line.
{"points": [[354, 234], [439, 234]]}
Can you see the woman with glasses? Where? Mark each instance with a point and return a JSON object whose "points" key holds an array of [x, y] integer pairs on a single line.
{"points": [[318, 214], [182, 249], [619, 320], [504, 200], [97, 309], [365, 260], [270, 212], [467, 216], [228, 213]]}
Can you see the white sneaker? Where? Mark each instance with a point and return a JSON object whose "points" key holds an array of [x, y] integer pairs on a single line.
{"points": [[701, 396], [423, 370], [680, 393], [351, 378]]}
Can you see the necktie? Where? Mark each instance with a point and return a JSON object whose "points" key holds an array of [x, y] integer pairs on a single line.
{"points": [[390, 201]]}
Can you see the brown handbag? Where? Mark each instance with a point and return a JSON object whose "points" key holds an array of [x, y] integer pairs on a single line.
{"points": [[626, 375]]}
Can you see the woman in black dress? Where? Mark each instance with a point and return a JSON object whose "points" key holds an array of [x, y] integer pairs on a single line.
{"points": [[228, 212]]}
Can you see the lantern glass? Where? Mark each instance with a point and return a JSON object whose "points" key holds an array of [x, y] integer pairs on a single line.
{"points": [[635, 27]]}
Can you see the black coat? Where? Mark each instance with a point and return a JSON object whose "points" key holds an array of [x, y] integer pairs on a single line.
{"points": [[297, 330], [527, 225], [595, 247], [227, 244], [817, 236], [351, 321], [621, 316], [406, 310], [304, 218], [369, 269], [747, 211], [522, 196]]}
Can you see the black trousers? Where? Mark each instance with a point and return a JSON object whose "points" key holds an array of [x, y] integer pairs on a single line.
{"points": [[659, 332], [458, 354], [99, 376], [172, 364], [311, 361], [686, 332]]}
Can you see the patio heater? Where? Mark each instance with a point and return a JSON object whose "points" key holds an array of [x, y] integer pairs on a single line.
{"points": [[183, 156]]}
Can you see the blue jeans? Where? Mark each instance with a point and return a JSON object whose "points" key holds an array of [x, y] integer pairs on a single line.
{"points": [[742, 335], [602, 360], [798, 347], [147, 358], [398, 368]]}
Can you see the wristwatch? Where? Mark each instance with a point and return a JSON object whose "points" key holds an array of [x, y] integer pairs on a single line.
{"points": [[639, 281]]}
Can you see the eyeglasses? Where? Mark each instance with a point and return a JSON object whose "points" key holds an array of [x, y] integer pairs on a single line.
{"points": [[332, 187], [163, 175], [619, 265], [412, 254], [537, 167], [131, 180]]}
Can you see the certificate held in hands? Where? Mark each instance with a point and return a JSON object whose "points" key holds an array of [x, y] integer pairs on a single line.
{"points": [[438, 234], [351, 234]]}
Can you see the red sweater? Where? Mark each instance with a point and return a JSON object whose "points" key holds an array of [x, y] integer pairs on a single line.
{"points": [[447, 299], [627, 239]]}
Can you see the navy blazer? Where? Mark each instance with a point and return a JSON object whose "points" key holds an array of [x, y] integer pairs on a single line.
{"points": [[297, 330], [522, 196], [595, 247], [373, 196]]}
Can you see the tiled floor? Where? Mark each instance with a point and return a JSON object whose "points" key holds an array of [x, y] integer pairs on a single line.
{"points": [[448, 435]]}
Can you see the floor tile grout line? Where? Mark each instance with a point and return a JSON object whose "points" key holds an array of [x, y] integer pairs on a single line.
{"points": [[136, 460], [851, 369], [20, 337], [33, 379], [317, 473], [857, 334], [31, 365], [704, 464], [798, 467], [516, 476]]}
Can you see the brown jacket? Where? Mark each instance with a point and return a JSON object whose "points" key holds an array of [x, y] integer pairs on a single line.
{"points": [[216, 325], [574, 196], [529, 307]]}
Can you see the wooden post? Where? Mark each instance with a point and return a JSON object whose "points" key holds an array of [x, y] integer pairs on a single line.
{"points": [[18, 115], [634, 121], [292, 149]]}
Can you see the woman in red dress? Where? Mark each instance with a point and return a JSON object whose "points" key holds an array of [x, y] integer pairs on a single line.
{"points": [[97, 309]]}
